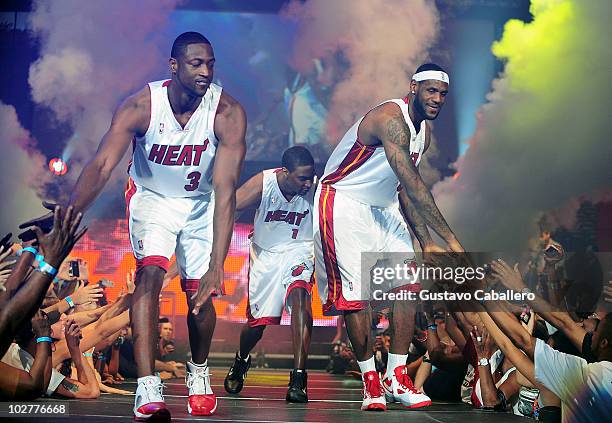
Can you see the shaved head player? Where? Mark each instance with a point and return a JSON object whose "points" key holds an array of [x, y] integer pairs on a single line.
{"points": [[188, 148]]}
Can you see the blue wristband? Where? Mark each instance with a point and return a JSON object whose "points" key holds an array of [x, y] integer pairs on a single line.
{"points": [[69, 301], [40, 258], [29, 249], [43, 339], [47, 268], [87, 354], [432, 326]]}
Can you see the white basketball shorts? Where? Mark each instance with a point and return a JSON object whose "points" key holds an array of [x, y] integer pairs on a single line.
{"points": [[161, 226], [272, 277]]}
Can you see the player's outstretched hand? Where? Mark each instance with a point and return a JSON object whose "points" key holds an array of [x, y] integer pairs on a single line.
{"points": [[58, 243], [455, 247], [44, 222], [209, 284]]}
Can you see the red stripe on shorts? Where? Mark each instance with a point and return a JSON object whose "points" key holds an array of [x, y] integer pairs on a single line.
{"points": [[159, 261], [334, 278]]}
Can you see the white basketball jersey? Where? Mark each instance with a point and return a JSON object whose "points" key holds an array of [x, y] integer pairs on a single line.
{"points": [[281, 224], [172, 160], [363, 172]]}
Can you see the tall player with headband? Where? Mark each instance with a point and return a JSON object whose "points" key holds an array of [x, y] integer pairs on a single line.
{"points": [[360, 210], [188, 148]]}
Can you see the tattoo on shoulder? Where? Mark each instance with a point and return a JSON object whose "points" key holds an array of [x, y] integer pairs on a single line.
{"points": [[69, 386], [398, 132]]}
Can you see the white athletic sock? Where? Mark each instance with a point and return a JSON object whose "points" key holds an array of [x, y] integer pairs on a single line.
{"points": [[393, 361], [367, 366], [145, 378], [193, 365]]}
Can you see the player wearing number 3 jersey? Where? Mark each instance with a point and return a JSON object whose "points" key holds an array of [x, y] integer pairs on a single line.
{"points": [[188, 145], [281, 263]]}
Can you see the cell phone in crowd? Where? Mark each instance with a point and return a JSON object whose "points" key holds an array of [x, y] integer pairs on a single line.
{"points": [[73, 269], [526, 315], [552, 252], [105, 283]]}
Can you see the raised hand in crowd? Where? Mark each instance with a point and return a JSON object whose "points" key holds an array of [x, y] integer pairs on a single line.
{"points": [[5, 264], [6, 243], [54, 247], [84, 294], [130, 281], [86, 387], [510, 277], [40, 325], [44, 222], [57, 243]]}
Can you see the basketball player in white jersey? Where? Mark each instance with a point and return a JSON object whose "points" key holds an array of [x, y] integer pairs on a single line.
{"points": [[358, 210], [188, 148], [281, 263]]}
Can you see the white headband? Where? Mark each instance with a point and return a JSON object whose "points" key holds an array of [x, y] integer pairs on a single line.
{"points": [[431, 74]]}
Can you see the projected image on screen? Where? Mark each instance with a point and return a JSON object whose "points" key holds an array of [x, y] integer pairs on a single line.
{"points": [[285, 107]]}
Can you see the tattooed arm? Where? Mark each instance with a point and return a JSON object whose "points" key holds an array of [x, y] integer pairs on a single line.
{"points": [[415, 221], [388, 125]]}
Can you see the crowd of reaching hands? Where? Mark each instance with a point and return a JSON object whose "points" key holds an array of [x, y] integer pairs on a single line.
{"points": [[58, 335], [536, 359]]}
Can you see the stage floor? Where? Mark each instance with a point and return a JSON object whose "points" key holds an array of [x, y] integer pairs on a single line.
{"points": [[332, 399]]}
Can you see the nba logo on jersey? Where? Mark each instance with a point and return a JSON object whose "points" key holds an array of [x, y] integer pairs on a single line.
{"points": [[140, 244], [161, 127]]}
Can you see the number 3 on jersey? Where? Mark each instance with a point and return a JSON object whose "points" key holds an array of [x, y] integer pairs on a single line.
{"points": [[194, 181]]}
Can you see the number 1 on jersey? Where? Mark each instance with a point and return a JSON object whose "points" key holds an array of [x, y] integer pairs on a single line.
{"points": [[294, 233]]}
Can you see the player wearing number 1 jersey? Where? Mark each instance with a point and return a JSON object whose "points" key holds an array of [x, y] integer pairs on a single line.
{"points": [[281, 263], [188, 147]]}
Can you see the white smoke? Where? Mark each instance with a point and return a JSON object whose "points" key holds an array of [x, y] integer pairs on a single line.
{"points": [[93, 55], [23, 172], [381, 41]]}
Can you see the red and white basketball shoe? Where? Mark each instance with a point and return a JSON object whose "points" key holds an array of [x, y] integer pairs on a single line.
{"points": [[149, 401], [373, 394], [202, 401], [399, 388]]}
